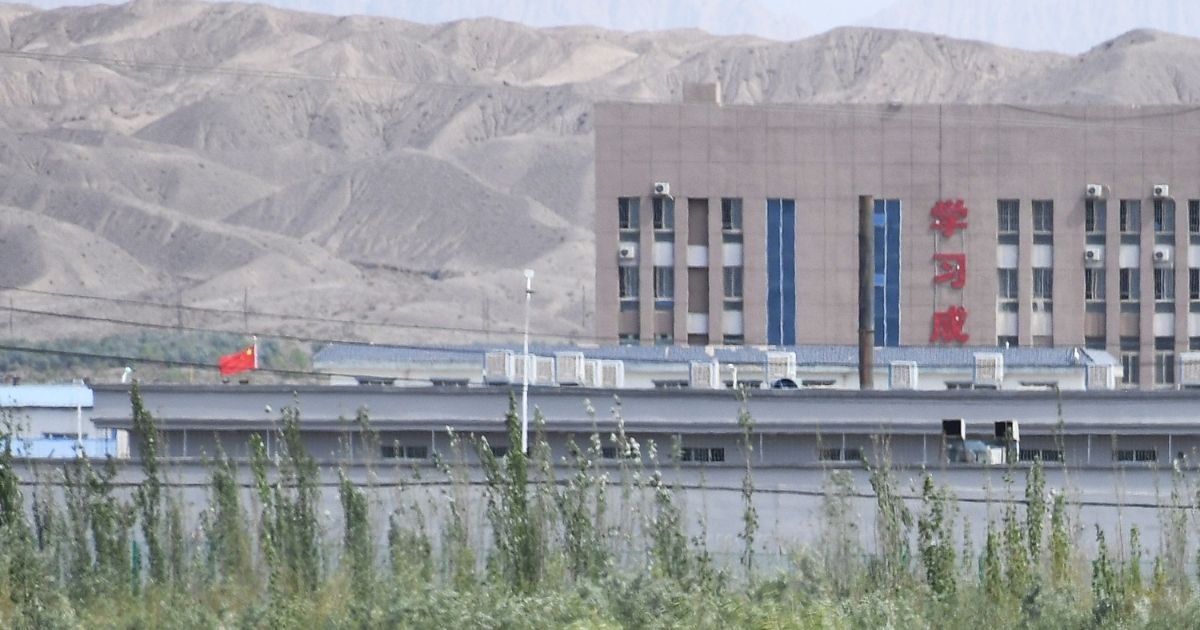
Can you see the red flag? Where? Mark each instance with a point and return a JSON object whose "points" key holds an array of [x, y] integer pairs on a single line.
{"points": [[242, 361]]}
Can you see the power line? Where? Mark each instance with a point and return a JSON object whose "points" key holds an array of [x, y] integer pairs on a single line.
{"points": [[298, 317], [180, 363]]}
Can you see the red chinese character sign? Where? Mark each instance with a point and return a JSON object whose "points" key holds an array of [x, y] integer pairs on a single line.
{"points": [[953, 268], [948, 326], [949, 217]]}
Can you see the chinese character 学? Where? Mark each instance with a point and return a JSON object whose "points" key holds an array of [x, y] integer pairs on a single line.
{"points": [[948, 325], [948, 217], [953, 269]]}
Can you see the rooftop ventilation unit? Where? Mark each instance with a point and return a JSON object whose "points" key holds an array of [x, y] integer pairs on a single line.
{"points": [[612, 374], [544, 370], [591, 373], [662, 189], [1162, 191], [1093, 254], [1094, 191], [568, 368], [499, 367], [902, 375], [1105, 376], [519, 364], [780, 365], [704, 375], [989, 370], [1189, 369]]}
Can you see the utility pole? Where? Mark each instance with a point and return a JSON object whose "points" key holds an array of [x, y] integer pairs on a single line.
{"points": [[866, 292], [525, 372]]}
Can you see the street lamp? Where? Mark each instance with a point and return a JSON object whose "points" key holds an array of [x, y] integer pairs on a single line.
{"points": [[525, 372]]}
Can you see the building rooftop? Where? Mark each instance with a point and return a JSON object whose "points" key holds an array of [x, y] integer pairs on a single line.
{"points": [[365, 355], [45, 396]]}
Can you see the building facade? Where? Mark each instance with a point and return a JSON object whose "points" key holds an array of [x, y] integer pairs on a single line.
{"points": [[994, 225]]}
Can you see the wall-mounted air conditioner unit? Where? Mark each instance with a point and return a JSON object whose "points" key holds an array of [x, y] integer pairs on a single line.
{"points": [[989, 369], [1008, 431], [954, 428], [499, 366], [569, 368], [780, 365], [1189, 368], [662, 189], [1162, 191], [1162, 254], [612, 374], [1093, 255], [1094, 191], [902, 375], [1102, 376], [704, 375], [627, 251]]}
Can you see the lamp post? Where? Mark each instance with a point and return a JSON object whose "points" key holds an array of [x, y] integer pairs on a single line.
{"points": [[525, 372]]}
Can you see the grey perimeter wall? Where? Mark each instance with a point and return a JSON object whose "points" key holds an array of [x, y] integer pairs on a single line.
{"points": [[789, 501], [823, 156]]}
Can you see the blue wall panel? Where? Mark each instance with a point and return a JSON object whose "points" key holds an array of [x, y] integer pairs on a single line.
{"points": [[781, 271], [887, 272]]}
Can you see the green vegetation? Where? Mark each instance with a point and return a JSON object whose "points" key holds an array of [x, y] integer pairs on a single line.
{"points": [[581, 551], [200, 348]]}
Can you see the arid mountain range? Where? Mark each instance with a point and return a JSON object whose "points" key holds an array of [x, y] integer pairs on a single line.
{"points": [[371, 169]]}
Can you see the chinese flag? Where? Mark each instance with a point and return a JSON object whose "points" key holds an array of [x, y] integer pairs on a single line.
{"points": [[241, 361]]}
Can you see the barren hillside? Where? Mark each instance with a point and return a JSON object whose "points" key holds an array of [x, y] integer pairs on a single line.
{"points": [[375, 169]]}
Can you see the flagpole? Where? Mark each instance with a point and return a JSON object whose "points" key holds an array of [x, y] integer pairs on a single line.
{"points": [[255, 338], [525, 372]]}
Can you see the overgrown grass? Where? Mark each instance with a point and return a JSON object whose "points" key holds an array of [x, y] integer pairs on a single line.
{"points": [[582, 551]]}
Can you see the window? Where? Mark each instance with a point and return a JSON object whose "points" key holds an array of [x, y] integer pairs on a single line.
{"points": [[670, 384], [1042, 454], [627, 213], [627, 281], [499, 452], [396, 451], [664, 214], [840, 454], [1164, 216], [1094, 343], [663, 339], [731, 215], [702, 454], [1007, 283], [1131, 214], [733, 283], [1043, 216], [1093, 284], [610, 452], [1194, 284], [1137, 455], [627, 339], [1043, 283], [1164, 368], [1006, 341], [1094, 213], [1194, 216], [1130, 284], [1130, 365], [664, 287], [735, 340], [1164, 284], [1007, 211]]}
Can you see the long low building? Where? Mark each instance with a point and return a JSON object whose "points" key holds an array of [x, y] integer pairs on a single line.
{"points": [[791, 427]]}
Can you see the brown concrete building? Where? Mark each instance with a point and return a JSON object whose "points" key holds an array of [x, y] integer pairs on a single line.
{"points": [[1067, 233]]}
